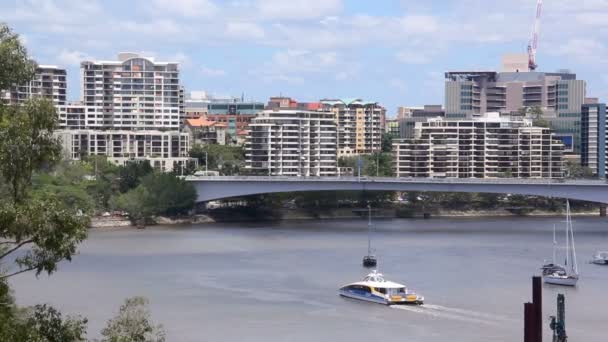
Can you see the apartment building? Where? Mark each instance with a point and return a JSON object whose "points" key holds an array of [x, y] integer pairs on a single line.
{"points": [[290, 142], [476, 92], [485, 147], [360, 125], [235, 113], [408, 116], [204, 132], [132, 93], [166, 151], [49, 82], [594, 147]]}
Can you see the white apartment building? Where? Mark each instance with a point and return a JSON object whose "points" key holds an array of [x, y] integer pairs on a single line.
{"points": [[166, 151], [292, 143], [360, 125], [485, 147], [132, 93], [49, 82]]}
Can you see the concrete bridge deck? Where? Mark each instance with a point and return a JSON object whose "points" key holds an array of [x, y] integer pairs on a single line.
{"points": [[219, 187]]}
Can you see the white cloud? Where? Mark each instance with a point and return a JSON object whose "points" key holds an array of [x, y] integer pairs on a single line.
{"points": [[585, 50], [158, 27], [414, 56], [294, 60], [398, 84], [181, 58], [72, 57], [298, 9], [186, 8], [210, 72], [420, 24], [244, 30]]}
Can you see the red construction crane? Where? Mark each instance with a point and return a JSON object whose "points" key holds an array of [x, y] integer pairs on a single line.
{"points": [[533, 44]]}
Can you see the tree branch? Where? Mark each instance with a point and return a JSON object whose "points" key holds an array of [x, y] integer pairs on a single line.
{"points": [[6, 276], [7, 242], [25, 242]]}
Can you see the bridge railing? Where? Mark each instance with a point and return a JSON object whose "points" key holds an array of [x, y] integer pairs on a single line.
{"points": [[518, 181]]}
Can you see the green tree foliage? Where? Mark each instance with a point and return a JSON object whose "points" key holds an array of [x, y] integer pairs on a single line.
{"points": [[158, 194], [387, 142], [575, 170], [228, 160], [37, 230], [380, 164], [131, 174], [133, 323], [46, 324], [67, 184], [15, 65], [106, 181], [27, 143], [42, 323], [41, 229]]}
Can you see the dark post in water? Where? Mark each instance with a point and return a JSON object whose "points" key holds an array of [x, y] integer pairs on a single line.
{"points": [[533, 312]]}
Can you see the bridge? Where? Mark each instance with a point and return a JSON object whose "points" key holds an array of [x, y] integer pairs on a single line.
{"points": [[211, 188]]}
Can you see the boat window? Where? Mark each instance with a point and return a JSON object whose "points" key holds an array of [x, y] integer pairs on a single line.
{"points": [[381, 290], [362, 288]]}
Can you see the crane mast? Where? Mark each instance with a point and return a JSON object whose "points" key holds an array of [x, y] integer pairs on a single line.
{"points": [[533, 44]]}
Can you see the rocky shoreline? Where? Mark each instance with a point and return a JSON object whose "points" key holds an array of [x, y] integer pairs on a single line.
{"points": [[297, 214]]}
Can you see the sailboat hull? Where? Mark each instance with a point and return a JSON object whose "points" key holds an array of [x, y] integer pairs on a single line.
{"points": [[560, 280]]}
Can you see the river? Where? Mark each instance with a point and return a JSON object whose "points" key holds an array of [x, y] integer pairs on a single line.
{"points": [[279, 281]]}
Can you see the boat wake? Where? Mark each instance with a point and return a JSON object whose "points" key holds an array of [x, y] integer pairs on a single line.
{"points": [[470, 316]]}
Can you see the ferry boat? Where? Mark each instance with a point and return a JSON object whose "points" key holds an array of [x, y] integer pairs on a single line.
{"points": [[374, 288]]}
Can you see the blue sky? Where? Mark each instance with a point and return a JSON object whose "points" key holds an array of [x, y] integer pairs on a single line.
{"points": [[391, 51]]}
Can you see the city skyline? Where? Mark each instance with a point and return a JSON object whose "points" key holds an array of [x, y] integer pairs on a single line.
{"points": [[263, 48]]}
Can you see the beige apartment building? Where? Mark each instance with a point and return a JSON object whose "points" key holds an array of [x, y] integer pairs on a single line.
{"points": [[166, 151], [483, 147], [360, 125], [292, 142], [49, 82]]}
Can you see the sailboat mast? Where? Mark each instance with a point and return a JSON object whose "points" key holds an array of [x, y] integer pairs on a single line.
{"points": [[554, 247], [574, 263], [369, 229], [567, 233]]}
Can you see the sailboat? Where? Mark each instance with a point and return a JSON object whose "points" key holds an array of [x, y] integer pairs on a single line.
{"points": [[566, 274], [370, 259]]}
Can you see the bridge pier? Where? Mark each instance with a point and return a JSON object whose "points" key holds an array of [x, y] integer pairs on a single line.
{"points": [[602, 210]]}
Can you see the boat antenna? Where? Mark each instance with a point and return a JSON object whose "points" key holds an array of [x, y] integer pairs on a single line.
{"points": [[369, 229], [574, 263], [567, 233], [554, 245]]}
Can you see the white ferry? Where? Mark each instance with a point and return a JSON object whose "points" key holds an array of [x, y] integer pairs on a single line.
{"points": [[374, 288]]}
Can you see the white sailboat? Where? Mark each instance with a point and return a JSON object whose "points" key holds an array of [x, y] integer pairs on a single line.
{"points": [[567, 274]]}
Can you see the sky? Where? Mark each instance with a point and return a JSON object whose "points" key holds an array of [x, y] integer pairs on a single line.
{"points": [[391, 51]]}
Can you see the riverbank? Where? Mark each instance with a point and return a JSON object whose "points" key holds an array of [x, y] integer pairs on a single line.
{"points": [[233, 215]]}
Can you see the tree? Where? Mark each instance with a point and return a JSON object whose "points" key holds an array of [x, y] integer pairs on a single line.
{"points": [[136, 203], [387, 142], [45, 323], [133, 324], [106, 180], [131, 174], [228, 160], [576, 170], [158, 194], [380, 164], [15, 65], [41, 229]]}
